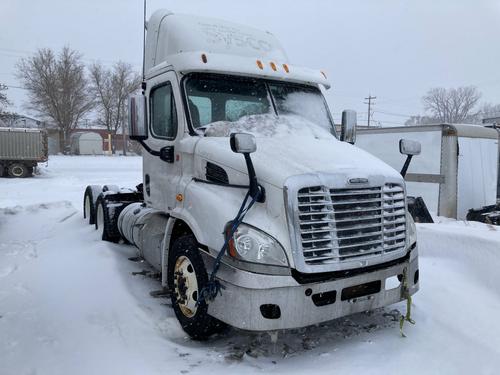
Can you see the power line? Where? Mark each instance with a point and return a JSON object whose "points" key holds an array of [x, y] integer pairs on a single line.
{"points": [[14, 87], [393, 114]]}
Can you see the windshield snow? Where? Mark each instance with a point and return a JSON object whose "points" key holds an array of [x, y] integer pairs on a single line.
{"points": [[219, 105], [268, 125]]}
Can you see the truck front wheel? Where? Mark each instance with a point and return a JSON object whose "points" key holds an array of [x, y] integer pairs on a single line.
{"points": [[18, 170], [186, 277]]}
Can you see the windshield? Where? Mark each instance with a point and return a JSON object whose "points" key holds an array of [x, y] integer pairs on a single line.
{"points": [[215, 99]]}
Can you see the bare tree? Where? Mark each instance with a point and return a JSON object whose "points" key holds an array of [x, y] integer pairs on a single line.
{"points": [[4, 102], [9, 119], [452, 105], [489, 110], [111, 88], [421, 120], [57, 88]]}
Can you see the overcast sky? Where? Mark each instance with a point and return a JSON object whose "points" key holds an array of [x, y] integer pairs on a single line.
{"points": [[395, 50]]}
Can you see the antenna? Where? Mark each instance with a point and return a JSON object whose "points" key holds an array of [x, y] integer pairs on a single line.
{"points": [[144, 45]]}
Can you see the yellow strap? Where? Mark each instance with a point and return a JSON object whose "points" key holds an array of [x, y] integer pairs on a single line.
{"points": [[406, 293]]}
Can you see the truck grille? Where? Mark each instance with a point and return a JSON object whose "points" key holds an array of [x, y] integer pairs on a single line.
{"points": [[346, 224]]}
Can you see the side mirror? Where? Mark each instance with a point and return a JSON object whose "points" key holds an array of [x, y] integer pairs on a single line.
{"points": [[348, 127], [409, 147], [137, 121], [243, 143]]}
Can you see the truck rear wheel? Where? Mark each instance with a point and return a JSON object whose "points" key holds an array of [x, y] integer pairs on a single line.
{"points": [[89, 202], [186, 277], [106, 219], [18, 170], [2, 170]]}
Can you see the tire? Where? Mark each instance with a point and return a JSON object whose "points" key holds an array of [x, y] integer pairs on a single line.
{"points": [[89, 202], [186, 277], [2, 170], [106, 217], [18, 170]]}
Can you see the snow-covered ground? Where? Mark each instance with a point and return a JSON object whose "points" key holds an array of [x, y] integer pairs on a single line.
{"points": [[70, 303]]}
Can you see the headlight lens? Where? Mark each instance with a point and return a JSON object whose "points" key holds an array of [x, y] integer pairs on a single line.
{"points": [[252, 245], [412, 230]]}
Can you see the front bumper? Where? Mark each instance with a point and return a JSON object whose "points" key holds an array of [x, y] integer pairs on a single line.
{"points": [[248, 297]]}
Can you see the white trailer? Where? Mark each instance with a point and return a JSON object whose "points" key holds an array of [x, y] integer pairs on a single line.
{"points": [[457, 169], [225, 118]]}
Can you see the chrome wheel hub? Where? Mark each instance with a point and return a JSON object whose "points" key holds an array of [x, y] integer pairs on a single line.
{"points": [[185, 286]]}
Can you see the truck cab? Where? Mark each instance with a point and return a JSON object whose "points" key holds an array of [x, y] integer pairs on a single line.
{"points": [[331, 225]]}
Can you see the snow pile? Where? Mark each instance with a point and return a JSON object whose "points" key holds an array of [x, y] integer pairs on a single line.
{"points": [[71, 304], [268, 125]]}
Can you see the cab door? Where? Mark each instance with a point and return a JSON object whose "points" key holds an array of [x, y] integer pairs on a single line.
{"points": [[165, 121]]}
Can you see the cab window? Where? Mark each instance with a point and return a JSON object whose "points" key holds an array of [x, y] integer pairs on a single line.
{"points": [[163, 113]]}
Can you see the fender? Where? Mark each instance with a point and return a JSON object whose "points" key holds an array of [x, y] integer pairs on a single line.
{"points": [[167, 239], [165, 246]]}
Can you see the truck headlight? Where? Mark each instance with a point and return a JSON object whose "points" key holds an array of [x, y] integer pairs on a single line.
{"points": [[252, 245], [412, 230]]}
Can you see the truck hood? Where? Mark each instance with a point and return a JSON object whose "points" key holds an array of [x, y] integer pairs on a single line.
{"points": [[276, 159]]}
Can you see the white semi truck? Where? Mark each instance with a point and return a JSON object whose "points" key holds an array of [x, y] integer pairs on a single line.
{"points": [[224, 118]]}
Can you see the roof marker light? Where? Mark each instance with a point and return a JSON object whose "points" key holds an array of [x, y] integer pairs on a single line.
{"points": [[204, 58], [260, 65], [273, 66], [285, 66]]}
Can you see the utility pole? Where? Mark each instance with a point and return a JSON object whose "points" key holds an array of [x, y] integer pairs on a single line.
{"points": [[370, 98], [124, 134]]}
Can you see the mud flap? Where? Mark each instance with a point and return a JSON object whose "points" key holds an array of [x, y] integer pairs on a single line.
{"points": [[418, 210]]}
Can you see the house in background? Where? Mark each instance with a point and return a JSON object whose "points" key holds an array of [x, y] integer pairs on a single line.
{"points": [[492, 120], [15, 120]]}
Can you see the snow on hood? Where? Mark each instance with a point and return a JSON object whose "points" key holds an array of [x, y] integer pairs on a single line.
{"points": [[288, 147]]}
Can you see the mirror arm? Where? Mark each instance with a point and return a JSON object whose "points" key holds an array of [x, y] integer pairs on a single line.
{"points": [[148, 149], [406, 165], [255, 188]]}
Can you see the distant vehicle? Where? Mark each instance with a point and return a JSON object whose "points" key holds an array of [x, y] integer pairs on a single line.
{"points": [[456, 171], [21, 150]]}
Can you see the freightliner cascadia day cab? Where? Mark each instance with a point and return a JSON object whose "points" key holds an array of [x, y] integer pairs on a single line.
{"points": [[255, 212]]}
